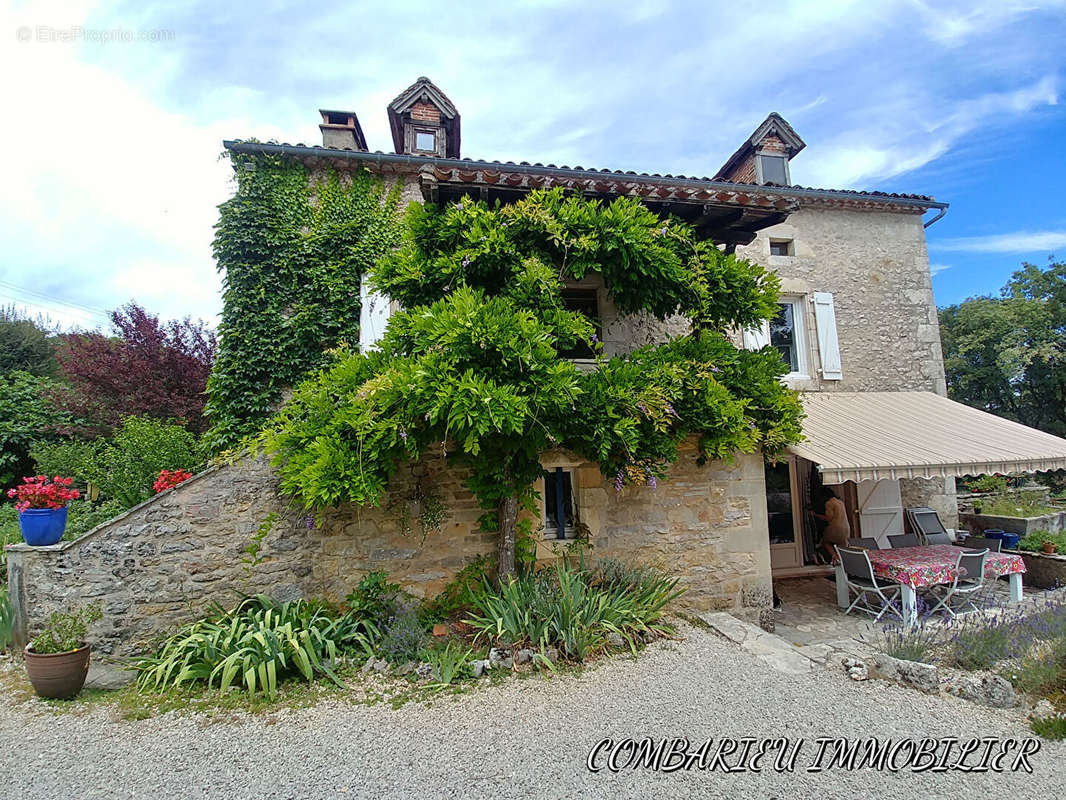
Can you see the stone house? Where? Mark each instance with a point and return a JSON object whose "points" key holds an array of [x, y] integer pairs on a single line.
{"points": [[857, 327]]}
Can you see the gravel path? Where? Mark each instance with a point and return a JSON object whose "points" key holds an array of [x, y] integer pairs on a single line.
{"points": [[526, 738]]}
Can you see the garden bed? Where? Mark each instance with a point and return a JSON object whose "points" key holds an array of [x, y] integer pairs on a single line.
{"points": [[1023, 526]]}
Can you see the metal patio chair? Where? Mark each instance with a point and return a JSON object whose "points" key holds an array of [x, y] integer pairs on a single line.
{"points": [[937, 538], [860, 578], [967, 586], [865, 542], [904, 540], [981, 543]]}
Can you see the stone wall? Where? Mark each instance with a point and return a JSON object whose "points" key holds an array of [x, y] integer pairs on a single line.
{"points": [[165, 561]]}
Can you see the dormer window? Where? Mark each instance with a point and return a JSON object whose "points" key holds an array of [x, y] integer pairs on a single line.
{"points": [[772, 169], [425, 141]]}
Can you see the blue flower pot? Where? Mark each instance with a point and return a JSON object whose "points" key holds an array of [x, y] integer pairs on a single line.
{"points": [[43, 526]]}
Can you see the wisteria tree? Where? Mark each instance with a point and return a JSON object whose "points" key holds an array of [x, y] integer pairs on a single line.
{"points": [[471, 369]]}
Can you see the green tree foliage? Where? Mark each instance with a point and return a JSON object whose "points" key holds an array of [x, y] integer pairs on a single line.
{"points": [[27, 417], [125, 466], [471, 369], [1006, 354], [291, 250], [26, 345]]}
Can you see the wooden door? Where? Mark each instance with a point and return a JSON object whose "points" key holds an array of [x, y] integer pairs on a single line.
{"points": [[880, 510]]}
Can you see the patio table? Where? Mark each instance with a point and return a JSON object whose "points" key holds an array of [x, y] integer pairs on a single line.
{"points": [[915, 568]]}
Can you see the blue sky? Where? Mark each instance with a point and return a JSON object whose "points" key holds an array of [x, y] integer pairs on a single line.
{"points": [[112, 145]]}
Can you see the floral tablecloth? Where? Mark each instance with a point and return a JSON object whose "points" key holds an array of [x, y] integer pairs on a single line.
{"points": [[933, 564]]}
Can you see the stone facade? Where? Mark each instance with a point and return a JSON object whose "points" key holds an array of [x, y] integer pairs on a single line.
{"points": [[876, 266], [166, 561]]}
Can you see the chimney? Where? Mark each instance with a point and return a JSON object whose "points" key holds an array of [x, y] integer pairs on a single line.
{"points": [[341, 131]]}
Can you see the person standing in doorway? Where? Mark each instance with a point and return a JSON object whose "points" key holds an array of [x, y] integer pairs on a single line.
{"points": [[837, 528]]}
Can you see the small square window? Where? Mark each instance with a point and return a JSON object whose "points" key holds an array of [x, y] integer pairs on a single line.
{"points": [[583, 301], [781, 247], [559, 496], [774, 170], [425, 141]]}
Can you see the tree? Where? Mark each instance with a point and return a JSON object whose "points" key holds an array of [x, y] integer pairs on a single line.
{"points": [[1006, 354], [26, 344], [27, 417], [147, 368], [472, 368]]}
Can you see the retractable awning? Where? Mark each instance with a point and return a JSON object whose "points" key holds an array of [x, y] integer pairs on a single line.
{"points": [[856, 436]]}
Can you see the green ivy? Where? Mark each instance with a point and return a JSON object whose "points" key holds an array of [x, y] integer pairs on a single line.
{"points": [[291, 247]]}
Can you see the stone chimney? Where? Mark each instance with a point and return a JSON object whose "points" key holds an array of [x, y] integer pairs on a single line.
{"points": [[341, 131]]}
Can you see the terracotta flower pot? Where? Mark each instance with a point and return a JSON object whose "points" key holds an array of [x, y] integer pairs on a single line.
{"points": [[58, 675], [1049, 547]]}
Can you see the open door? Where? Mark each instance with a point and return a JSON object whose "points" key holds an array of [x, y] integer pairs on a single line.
{"points": [[880, 510]]}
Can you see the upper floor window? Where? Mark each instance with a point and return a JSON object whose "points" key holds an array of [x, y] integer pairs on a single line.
{"points": [[583, 301], [772, 169], [787, 334], [425, 141]]}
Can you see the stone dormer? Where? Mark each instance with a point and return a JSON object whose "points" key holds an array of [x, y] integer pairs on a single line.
{"points": [[424, 121], [764, 157], [341, 131]]}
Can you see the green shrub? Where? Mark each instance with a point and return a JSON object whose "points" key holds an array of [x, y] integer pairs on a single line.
{"points": [[1042, 671], [1035, 541], [83, 516], [909, 642], [66, 631], [125, 466], [257, 644], [449, 662], [457, 597], [404, 636], [374, 598], [1024, 504], [1053, 727], [575, 609], [987, 483], [7, 619]]}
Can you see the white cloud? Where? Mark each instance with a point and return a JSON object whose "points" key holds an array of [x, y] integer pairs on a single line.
{"points": [[936, 269], [1017, 242]]}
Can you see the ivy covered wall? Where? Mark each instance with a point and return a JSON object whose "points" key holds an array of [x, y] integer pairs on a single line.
{"points": [[291, 247]]}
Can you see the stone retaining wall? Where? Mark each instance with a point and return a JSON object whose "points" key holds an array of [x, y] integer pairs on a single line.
{"points": [[165, 561], [1043, 570]]}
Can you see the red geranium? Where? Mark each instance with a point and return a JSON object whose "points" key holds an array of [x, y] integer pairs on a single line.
{"points": [[169, 478], [39, 492]]}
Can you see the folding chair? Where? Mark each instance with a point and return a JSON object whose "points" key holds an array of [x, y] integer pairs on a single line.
{"points": [[860, 578], [968, 583], [981, 543], [937, 538], [904, 540], [926, 525], [865, 542]]}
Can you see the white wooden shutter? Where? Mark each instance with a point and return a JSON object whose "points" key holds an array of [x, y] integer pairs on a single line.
{"points": [[828, 345], [880, 510], [373, 316], [757, 338]]}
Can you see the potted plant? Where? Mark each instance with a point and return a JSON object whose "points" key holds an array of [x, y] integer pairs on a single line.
{"points": [[1049, 546], [57, 660], [42, 507]]}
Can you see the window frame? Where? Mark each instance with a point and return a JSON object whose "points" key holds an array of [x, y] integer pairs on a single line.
{"points": [[799, 336], [587, 293], [760, 176], [790, 247], [569, 531], [417, 132]]}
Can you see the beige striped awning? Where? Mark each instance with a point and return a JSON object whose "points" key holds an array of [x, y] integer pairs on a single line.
{"points": [[856, 436]]}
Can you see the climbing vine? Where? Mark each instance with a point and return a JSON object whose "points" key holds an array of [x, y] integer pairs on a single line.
{"points": [[291, 246], [471, 369]]}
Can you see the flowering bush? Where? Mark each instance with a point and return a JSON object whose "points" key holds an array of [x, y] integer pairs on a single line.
{"points": [[169, 478], [39, 492]]}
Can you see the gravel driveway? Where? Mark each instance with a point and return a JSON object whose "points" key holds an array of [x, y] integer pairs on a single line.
{"points": [[527, 738]]}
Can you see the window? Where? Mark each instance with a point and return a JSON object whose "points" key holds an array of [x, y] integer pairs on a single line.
{"points": [[583, 301], [787, 335], [781, 247], [425, 141], [773, 169], [559, 497]]}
